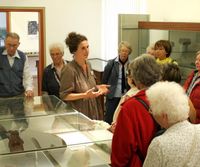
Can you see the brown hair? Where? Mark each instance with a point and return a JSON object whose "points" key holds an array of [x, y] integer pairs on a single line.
{"points": [[171, 72], [73, 40], [12, 35], [165, 44]]}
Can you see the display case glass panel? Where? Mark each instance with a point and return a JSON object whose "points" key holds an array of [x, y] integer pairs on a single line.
{"points": [[20, 107], [184, 37], [185, 44], [60, 137]]}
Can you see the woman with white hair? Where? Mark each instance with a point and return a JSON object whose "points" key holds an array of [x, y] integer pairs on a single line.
{"points": [[179, 145], [52, 73]]}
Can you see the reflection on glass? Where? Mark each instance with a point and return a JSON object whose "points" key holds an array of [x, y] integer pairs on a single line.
{"points": [[20, 107], [58, 137], [185, 44]]}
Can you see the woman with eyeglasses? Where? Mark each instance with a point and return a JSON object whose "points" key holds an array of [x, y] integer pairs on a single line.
{"points": [[135, 126]]}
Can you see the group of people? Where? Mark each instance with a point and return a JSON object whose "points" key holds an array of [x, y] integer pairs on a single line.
{"points": [[143, 96], [156, 109]]}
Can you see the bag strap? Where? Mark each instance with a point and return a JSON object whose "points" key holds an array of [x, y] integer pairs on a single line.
{"points": [[143, 103], [138, 152]]}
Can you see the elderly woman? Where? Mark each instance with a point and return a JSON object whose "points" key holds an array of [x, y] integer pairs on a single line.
{"points": [[135, 126], [78, 86], [192, 87], [179, 145], [114, 75], [52, 73]]}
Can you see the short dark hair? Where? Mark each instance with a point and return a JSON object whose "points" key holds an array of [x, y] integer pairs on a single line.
{"points": [[73, 40], [171, 72], [165, 44]]}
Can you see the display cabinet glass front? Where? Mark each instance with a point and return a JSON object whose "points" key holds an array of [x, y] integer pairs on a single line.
{"points": [[20, 107], [184, 37], [60, 136], [185, 44]]}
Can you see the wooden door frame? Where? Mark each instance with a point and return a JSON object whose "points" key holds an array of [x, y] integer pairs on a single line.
{"points": [[41, 20]]}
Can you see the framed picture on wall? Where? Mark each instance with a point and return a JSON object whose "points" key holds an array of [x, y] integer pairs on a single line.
{"points": [[32, 28], [2, 36]]}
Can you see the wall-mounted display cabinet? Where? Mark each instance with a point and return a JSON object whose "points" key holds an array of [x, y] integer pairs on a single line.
{"points": [[184, 37], [45, 132], [128, 30]]}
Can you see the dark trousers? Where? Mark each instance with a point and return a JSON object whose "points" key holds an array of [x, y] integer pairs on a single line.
{"points": [[111, 105]]}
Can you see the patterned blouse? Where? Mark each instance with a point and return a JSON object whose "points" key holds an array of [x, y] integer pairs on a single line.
{"points": [[178, 146]]}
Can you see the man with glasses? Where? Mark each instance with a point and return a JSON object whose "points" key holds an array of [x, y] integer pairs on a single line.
{"points": [[15, 76]]}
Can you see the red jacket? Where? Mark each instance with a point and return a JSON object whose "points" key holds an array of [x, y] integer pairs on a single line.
{"points": [[134, 130], [194, 95]]}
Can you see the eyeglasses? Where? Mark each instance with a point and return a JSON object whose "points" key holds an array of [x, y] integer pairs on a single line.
{"points": [[127, 51], [12, 45], [56, 54]]}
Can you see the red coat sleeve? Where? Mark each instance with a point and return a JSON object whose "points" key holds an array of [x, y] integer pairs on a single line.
{"points": [[135, 128]]}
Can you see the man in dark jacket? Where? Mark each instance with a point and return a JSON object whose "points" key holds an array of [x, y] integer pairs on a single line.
{"points": [[15, 76]]}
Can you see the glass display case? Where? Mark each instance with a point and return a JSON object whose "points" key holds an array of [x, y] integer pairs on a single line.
{"points": [[184, 47], [46, 132], [184, 37]]}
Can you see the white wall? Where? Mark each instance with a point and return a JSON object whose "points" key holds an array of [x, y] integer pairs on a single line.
{"points": [[111, 10], [19, 24], [174, 10], [85, 16], [171, 11], [64, 16]]}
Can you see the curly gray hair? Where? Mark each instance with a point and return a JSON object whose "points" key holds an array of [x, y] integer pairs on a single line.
{"points": [[168, 98], [145, 71]]}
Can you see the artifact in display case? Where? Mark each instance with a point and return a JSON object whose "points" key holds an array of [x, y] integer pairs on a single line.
{"points": [[61, 137], [184, 38]]}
